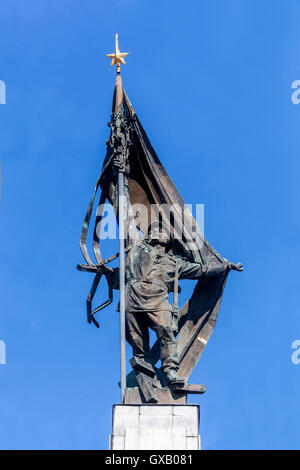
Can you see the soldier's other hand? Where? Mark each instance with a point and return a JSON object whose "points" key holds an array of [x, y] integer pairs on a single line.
{"points": [[119, 162], [235, 267]]}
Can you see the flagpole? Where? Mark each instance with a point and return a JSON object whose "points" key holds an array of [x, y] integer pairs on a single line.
{"points": [[118, 58], [122, 282]]}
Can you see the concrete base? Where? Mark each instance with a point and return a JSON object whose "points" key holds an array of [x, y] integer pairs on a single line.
{"points": [[155, 427], [134, 396]]}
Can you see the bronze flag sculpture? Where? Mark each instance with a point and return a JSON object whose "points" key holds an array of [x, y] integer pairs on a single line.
{"points": [[163, 244]]}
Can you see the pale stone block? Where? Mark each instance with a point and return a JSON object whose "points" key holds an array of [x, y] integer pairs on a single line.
{"points": [[125, 417], [156, 410], [192, 443], [155, 427], [117, 442], [132, 439], [188, 410], [191, 425], [155, 438], [179, 438], [146, 438], [162, 438], [127, 409], [148, 420]]}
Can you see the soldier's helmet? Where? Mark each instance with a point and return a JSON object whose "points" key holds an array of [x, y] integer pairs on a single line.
{"points": [[160, 225]]}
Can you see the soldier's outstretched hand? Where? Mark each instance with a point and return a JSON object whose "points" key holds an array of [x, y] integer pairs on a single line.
{"points": [[235, 267]]}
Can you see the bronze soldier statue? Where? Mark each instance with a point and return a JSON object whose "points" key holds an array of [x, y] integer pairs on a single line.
{"points": [[152, 268], [150, 277]]}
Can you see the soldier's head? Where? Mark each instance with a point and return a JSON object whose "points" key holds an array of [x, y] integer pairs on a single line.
{"points": [[159, 233]]}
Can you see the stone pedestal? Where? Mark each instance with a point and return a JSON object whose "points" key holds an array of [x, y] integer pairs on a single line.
{"points": [[155, 427]]}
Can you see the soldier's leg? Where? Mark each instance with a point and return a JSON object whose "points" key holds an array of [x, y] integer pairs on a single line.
{"points": [[162, 323], [137, 334]]}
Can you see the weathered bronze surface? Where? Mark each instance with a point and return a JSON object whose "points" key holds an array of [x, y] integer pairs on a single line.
{"points": [[156, 259]]}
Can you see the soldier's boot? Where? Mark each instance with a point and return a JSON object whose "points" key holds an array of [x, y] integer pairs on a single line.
{"points": [[169, 357], [173, 378], [142, 364]]}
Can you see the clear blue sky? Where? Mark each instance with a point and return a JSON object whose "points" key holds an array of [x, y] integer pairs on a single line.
{"points": [[211, 83]]}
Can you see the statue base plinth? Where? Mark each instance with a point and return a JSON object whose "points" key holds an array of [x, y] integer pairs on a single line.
{"points": [[135, 396], [155, 427]]}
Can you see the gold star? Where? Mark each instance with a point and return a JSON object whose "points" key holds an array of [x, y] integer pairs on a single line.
{"points": [[117, 57]]}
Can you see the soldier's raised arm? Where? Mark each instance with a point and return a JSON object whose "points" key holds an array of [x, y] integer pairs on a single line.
{"points": [[188, 270]]}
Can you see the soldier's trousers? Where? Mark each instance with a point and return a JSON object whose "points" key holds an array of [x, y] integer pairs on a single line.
{"points": [[137, 335]]}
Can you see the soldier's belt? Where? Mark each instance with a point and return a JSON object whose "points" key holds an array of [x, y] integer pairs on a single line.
{"points": [[158, 283]]}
